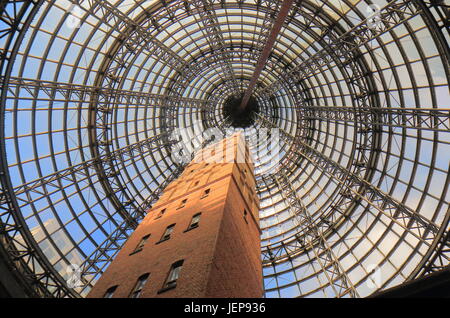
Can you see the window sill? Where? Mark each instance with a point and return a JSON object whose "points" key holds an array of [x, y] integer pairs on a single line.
{"points": [[190, 228], [162, 240], [163, 290], [135, 252]]}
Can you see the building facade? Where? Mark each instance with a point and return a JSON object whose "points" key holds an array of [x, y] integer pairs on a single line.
{"points": [[201, 239]]}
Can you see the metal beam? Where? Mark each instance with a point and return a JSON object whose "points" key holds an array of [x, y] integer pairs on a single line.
{"points": [[96, 95], [392, 14], [434, 119], [105, 166], [271, 9], [133, 211], [441, 255], [315, 240], [281, 17], [395, 209], [26, 258], [357, 188], [88, 167], [215, 38], [134, 35]]}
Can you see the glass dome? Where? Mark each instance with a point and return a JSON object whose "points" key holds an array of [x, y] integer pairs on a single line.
{"points": [[355, 200]]}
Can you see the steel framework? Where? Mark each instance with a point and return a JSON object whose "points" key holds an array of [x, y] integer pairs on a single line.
{"points": [[93, 93]]}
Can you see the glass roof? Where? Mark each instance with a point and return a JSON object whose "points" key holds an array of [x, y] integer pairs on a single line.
{"points": [[361, 100]]}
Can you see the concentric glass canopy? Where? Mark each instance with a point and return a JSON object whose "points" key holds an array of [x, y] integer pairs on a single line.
{"points": [[355, 200]]}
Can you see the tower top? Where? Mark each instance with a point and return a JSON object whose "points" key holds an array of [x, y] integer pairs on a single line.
{"points": [[233, 149]]}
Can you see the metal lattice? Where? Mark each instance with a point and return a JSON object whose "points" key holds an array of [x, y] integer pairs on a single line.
{"points": [[94, 93]]}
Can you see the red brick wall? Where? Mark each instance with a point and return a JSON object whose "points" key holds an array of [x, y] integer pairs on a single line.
{"points": [[221, 256], [237, 269]]}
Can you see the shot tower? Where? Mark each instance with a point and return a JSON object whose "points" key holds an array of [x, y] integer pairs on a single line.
{"points": [[201, 239]]}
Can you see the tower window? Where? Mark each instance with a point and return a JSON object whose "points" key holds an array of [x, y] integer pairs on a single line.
{"points": [[194, 222], [110, 292], [182, 204], [167, 233], [160, 214], [205, 193], [137, 290], [141, 244], [174, 274]]}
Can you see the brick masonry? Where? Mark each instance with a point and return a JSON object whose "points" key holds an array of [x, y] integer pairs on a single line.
{"points": [[221, 256]]}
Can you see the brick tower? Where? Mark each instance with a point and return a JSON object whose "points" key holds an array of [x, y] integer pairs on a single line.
{"points": [[201, 239]]}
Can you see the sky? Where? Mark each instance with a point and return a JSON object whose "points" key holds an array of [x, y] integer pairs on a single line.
{"points": [[88, 219]]}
